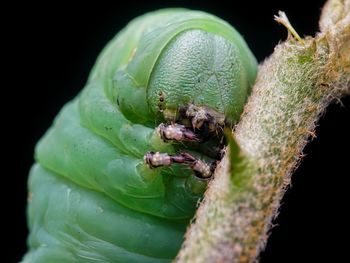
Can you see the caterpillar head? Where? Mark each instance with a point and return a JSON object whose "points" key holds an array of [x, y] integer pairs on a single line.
{"points": [[200, 75]]}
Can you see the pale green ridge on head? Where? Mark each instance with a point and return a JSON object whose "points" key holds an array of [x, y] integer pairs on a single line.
{"points": [[121, 50]]}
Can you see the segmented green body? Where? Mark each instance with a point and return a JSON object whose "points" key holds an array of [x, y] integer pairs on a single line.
{"points": [[92, 197]]}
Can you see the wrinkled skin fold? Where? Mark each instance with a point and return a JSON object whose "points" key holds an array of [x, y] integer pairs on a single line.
{"points": [[92, 197]]}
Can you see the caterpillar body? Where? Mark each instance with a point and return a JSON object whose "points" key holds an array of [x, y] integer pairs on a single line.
{"points": [[119, 174]]}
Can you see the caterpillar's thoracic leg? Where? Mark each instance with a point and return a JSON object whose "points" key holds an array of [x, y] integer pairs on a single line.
{"points": [[201, 168], [203, 118], [176, 132]]}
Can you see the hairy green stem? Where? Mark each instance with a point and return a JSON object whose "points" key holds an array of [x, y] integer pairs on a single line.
{"points": [[294, 86]]}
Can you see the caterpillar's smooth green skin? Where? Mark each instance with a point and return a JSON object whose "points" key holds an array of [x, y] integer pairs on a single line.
{"points": [[92, 197]]}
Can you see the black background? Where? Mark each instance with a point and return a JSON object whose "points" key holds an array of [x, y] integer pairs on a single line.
{"points": [[49, 51]]}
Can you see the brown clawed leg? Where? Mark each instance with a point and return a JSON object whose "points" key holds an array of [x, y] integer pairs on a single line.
{"points": [[202, 118], [201, 169], [156, 159], [176, 132], [197, 115]]}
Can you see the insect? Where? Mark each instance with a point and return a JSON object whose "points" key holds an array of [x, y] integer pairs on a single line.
{"points": [[119, 174]]}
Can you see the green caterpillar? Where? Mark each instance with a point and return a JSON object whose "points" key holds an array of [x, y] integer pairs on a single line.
{"points": [[120, 172]]}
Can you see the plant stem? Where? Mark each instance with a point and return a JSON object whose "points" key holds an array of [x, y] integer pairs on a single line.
{"points": [[293, 88]]}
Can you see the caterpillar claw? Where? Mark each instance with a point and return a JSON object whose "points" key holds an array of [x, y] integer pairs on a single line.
{"points": [[203, 119]]}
